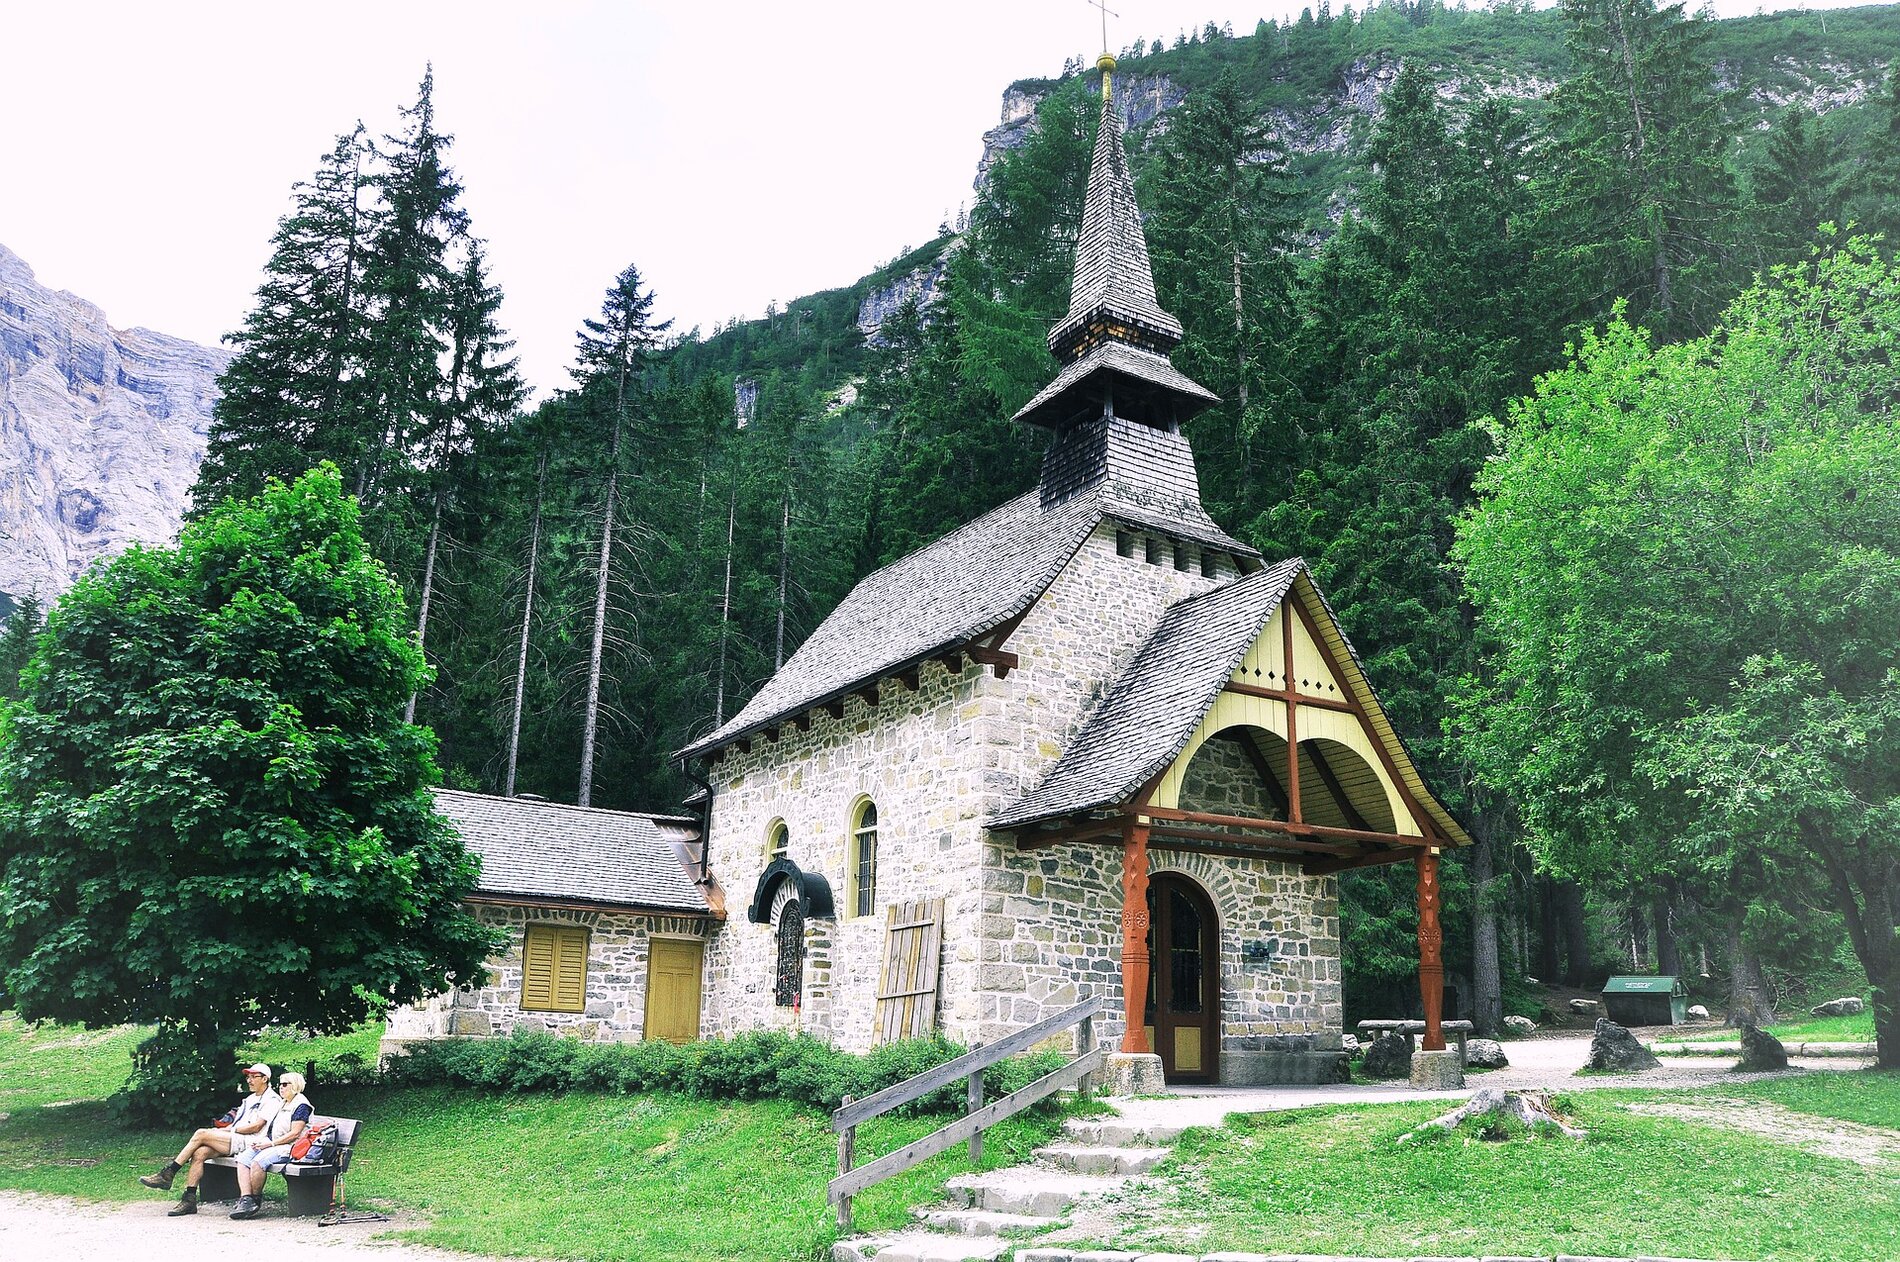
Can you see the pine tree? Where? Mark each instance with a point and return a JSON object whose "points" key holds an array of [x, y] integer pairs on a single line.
{"points": [[291, 396], [1796, 189], [1219, 228], [1875, 186], [411, 280], [1642, 204], [612, 351], [18, 636]]}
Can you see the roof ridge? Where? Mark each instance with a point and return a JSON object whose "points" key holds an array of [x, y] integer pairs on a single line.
{"points": [[565, 806]]}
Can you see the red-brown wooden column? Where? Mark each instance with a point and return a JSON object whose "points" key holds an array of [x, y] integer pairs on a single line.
{"points": [[1135, 936], [1431, 951]]}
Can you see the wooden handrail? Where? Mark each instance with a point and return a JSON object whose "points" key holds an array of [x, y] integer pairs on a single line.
{"points": [[980, 1117], [962, 1067]]}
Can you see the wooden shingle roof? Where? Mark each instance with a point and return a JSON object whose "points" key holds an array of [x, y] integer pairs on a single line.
{"points": [[550, 851]]}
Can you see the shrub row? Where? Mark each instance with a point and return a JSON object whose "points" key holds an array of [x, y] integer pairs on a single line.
{"points": [[745, 1067]]}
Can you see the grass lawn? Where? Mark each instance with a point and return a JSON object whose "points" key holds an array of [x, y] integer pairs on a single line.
{"points": [[641, 1178], [1855, 1029], [1334, 1181], [1870, 1097]]}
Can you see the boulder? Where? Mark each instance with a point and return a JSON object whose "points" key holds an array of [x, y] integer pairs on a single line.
{"points": [[1585, 1007], [1485, 1054], [1520, 1026], [1698, 1013], [1614, 1048], [1845, 1006], [1761, 1050], [1388, 1056], [1349, 1044]]}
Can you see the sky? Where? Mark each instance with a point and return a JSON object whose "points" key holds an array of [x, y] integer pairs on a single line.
{"points": [[737, 152]]}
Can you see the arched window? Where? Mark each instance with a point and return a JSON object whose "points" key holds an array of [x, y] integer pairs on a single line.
{"points": [[778, 840], [863, 873], [791, 955]]}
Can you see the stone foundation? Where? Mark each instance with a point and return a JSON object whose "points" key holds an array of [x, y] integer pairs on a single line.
{"points": [[1129, 1074], [1283, 1069]]}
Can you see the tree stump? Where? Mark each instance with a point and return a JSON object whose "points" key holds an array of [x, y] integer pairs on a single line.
{"points": [[1532, 1108]]}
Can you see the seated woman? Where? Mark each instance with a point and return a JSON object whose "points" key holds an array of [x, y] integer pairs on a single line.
{"points": [[272, 1152]]}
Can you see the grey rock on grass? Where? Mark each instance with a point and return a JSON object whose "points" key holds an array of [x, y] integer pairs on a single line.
{"points": [[1615, 1049]]}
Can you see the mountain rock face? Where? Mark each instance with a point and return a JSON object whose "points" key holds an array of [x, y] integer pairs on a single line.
{"points": [[101, 432]]}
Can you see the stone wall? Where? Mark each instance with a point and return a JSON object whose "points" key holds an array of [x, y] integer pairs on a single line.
{"points": [[616, 980], [1026, 933], [937, 762]]}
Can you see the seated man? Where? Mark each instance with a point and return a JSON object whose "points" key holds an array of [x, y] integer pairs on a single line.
{"points": [[248, 1122]]}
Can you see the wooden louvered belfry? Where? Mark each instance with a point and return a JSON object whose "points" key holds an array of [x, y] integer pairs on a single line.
{"points": [[907, 987]]}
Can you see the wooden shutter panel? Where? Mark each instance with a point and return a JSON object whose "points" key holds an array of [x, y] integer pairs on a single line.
{"points": [[570, 970], [537, 968], [907, 988]]}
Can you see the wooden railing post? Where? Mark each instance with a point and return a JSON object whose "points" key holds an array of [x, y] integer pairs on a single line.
{"points": [[976, 1103], [847, 1152], [1084, 1044]]}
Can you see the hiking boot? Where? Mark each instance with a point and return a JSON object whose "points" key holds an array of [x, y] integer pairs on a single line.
{"points": [[162, 1181], [247, 1207], [187, 1204]]}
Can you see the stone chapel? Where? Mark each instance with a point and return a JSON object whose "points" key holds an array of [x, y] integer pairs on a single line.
{"points": [[1086, 744]]}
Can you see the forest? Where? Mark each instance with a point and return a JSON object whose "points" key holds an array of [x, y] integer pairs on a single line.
{"points": [[603, 577]]}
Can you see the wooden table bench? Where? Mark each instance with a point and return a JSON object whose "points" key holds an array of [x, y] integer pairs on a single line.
{"points": [[1455, 1030], [312, 1188]]}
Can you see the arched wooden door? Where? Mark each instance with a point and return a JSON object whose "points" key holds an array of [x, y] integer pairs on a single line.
{"points": [[1183, 979]]}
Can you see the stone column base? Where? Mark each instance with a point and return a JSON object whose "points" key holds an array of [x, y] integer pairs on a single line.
{"points": [[1130, 1073], [1283, 1069], [1438, 1071]]}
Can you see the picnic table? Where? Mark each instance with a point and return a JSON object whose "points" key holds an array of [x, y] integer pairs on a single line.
{"points": [[1458, 1030]]}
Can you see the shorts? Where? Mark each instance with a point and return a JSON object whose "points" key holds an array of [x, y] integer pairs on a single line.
{"points": [[264, 1158]]}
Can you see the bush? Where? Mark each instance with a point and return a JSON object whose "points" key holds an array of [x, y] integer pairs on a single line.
{"points": [[747, 1066]]}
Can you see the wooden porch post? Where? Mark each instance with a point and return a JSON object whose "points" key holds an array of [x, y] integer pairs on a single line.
{"points": [[1135, 936], [1431, 951]]}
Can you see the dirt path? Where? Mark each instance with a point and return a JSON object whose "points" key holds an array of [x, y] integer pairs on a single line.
{"points": [[54, 1229], [1829, 1137]]}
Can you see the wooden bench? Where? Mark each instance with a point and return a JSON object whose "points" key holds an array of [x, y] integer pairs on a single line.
{"points": [[312, 1188], [1459, 1031]]}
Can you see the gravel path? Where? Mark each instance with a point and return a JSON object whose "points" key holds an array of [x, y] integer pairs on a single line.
{"points": [[1829, 1137], [53, 1229]]}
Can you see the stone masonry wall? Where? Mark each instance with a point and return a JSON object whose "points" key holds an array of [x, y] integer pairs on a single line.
{"points": [[1051, 918], [616, 980], [1052, 931], [937, 762]]}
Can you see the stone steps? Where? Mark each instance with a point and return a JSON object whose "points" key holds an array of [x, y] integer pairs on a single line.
{"points": [[1099, 1154], [1033, 1190], [1084, 1159], [1113, 1132], [981, 1222]]}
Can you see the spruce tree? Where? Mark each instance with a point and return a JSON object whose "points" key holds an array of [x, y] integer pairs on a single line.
{"points": [[1642, 205], [612, 351], [1219, 229], [18, 636], [1796, 189], [291, 396]]}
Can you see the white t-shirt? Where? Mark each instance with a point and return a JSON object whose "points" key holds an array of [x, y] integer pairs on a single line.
{"points": [[255, 1106]]}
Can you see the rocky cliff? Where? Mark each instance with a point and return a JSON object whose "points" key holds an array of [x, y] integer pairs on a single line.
{"points": [[101, 432]]}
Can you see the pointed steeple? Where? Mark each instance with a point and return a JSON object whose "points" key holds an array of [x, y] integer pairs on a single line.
{"points": [[1115, 339]]}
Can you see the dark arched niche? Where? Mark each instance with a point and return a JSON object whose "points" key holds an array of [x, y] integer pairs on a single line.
{"points": [[812, 891]]}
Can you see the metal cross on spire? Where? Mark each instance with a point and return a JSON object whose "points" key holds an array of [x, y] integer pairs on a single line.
{"points": [[1107, 13]]}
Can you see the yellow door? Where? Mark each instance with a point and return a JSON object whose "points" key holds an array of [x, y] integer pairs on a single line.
{"points": [[673, 967]]}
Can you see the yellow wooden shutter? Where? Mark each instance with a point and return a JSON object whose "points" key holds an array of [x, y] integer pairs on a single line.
{"points": [[907, 988], [537, 968], [554, 968]]}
